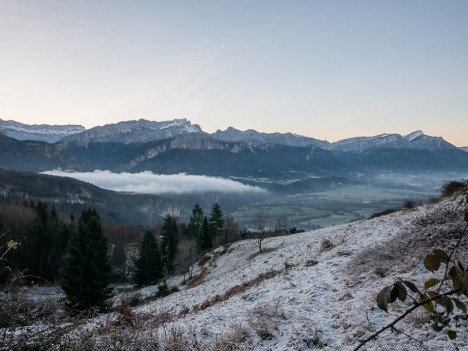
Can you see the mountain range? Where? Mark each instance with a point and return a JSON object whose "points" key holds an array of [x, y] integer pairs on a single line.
{"points": [[179, 146]]}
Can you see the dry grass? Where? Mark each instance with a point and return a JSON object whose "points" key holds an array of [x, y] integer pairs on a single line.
{"points": [[440, 229]]}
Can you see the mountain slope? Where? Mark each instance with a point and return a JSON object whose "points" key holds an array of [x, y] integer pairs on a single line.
{"points": [[406, 159], [36, 156], [69, 195], [178, 146], [40, 132], [200, 154]]}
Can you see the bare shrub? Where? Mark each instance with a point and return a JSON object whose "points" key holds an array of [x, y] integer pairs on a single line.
{"points": [[326, 244], [237, 339], [265, 320], [440, 228]]}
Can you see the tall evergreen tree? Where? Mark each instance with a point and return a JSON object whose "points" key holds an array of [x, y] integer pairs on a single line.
{"points": [[86, 271], [195, 224], [206, 240], [148, 267], [170, 241], [216, 220]]}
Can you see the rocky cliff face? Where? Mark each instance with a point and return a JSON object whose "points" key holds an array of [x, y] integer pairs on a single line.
{"points": [[413, 141], [128, 132], [40, 132], [250, 135]]}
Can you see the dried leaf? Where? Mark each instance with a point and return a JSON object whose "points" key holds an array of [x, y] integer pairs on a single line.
{"points": [[465, 283], [393, 294], [432, 262], [383, 298], [452, 273], [431, 282], [441, 254], [459, 267], [401, 291]]}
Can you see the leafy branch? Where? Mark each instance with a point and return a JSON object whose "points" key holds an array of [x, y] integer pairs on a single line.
{"points": [[440, 305]]}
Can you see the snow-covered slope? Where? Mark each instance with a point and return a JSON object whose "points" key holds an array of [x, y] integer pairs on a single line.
{"points": [[41, 132], [305, 291]]}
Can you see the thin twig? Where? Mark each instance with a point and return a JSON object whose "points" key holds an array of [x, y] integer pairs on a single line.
{"points": [[407, 335], [450, 257]]}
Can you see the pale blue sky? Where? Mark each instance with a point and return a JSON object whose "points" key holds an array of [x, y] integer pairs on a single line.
{"points": [[326, 69]]}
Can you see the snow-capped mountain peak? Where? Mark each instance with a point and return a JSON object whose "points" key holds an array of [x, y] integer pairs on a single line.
{"points": [[414, 135]]}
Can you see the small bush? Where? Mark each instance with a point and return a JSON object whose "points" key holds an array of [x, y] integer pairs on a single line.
{"points": [[409, 204], [450, 188], [326, 244]]}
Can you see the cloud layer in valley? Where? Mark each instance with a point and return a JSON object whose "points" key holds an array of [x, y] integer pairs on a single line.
{"points": [[150, 183]]}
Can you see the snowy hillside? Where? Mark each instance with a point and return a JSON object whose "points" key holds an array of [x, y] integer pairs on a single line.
{"points": [[299, 292], [313, 290]]}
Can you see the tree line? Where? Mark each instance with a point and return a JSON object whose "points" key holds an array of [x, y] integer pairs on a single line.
{"points": [[84, 257]]}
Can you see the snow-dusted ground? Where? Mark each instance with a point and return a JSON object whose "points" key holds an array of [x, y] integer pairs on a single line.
{"points": [[296, 295], [306, 301]]}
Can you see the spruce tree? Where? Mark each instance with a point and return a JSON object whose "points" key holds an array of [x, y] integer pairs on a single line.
{"points": [[206, 240], [216, 220], [86, 270], [195, 224], [148, 267], [170, 241]]}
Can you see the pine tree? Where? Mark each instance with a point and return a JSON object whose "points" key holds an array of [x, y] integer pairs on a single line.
{"points": [[86, 271], [206, 240], [216, 220], [148, 267], [195, 224], [170, 241]]}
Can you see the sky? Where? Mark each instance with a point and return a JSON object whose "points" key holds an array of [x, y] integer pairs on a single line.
{"points": [[325, 69]]}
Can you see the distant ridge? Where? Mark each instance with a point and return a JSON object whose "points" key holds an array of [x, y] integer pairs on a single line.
{"points": [[175, 146], [130, 132], [40, 132]]}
